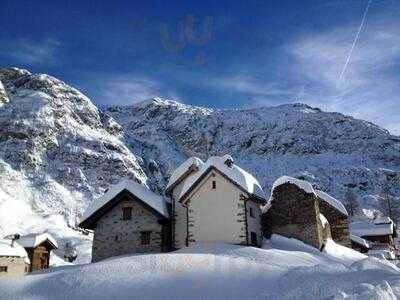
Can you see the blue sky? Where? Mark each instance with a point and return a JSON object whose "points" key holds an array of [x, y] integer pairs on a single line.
{"points": [[223, 54]]}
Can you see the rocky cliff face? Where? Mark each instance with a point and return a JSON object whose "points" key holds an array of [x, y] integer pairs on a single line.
{"points": [[58, 151]]}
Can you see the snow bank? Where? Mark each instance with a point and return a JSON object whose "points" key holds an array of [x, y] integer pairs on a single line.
{"points": [[33, 240], [143, 193], [239, 176], [284, 269], [323, 220], [346, 255], [15, 249]]}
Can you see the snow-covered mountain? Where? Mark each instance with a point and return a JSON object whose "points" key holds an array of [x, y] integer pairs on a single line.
{"points": [[331, 150], [58, 151]]}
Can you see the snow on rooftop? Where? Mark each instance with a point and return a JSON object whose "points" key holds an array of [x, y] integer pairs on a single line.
{"points": [[16, 250], [302, 184], [383, 220], [308, 188], [154, 200], [332, 201], [183, 169], [33, 240], [226, 166], [358, 240], [369, 228]]}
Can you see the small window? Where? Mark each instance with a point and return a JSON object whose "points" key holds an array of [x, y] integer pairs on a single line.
{"points": [[145, 237], [126, 213], [214, 184], [252, 212], [3, 269]]}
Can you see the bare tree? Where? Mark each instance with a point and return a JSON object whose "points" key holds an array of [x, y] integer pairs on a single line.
{"points": [[387, 202], [350, 202]]}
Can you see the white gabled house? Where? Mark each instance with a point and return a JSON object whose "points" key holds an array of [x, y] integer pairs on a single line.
{"points": [[215, 201]]}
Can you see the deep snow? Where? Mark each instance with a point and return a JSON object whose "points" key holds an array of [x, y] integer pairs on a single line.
{"points": [[284, 269]]}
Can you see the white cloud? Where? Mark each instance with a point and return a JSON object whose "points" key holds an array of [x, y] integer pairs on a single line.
{"points": [[370, 88], [30, 52], [129, 89]]}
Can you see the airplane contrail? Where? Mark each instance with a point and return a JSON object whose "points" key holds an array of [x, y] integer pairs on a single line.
{"points": [[355, 40]]}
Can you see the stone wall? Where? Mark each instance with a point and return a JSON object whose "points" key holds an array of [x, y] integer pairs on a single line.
{"points": [[338, 222], [115, 236], [294, 214], [15, 266]]}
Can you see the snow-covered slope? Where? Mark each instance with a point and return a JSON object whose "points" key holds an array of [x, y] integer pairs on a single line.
{"points": [[331, 150], [57, 151], [285, 269]]}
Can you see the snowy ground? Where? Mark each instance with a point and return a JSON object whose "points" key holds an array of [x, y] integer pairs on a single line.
{"points": [[284, 269]]}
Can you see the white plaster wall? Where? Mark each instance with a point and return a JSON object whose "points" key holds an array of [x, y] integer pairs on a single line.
{"points": [[180, 230], [16, 266], [216, 214]]}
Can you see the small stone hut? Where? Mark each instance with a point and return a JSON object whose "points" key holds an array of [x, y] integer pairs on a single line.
{"points": [[293, 211], [38, 247], [14, 259], [128, 219], [337, 216]]}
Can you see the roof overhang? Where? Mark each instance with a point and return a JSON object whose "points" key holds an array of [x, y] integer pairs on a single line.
{"points": [[184, 197], [90, 222]]}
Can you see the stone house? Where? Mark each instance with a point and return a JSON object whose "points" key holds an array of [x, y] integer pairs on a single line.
{"points": [[337, 216], [38, 247], [293, 211], [215, 201], [380, 234], [14, 259], [128, 219]]}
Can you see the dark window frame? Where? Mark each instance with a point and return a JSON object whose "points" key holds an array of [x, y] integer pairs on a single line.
{"points": [[251, 211], [214, 185], [127, 213], [3, 269], [145, 238]]}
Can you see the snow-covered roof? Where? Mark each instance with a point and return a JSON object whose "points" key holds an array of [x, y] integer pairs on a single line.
{"points": [[183, 170], [308, 188], [152, 199], [358, 240], [383, 220], [332, 201], [225, 165], [369, 228], [302, 184], [33, 240], [15, 250]]}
